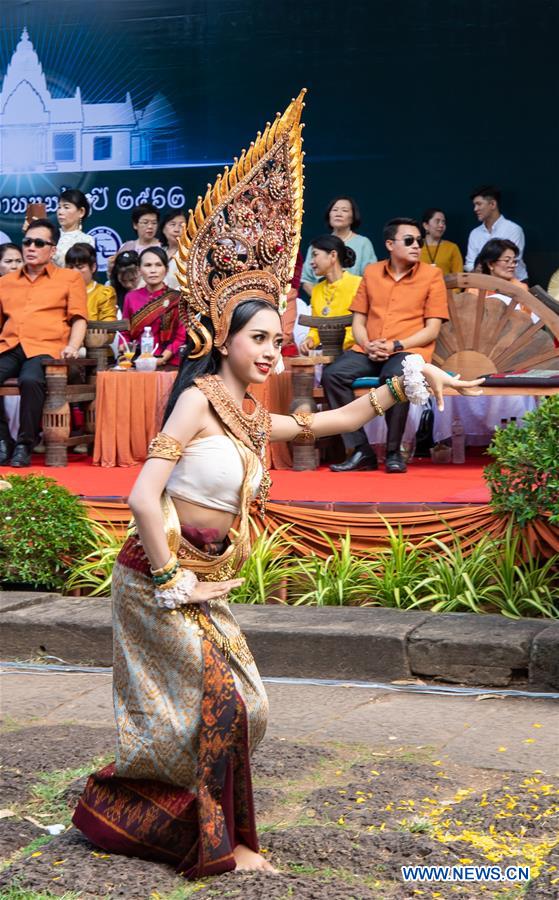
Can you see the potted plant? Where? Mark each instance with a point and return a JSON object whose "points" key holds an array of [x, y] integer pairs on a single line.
{"points": [[43, 529], [524, 478]]}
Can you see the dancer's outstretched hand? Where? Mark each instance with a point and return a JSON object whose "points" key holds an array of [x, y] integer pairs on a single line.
{"points": [[437, 380]]}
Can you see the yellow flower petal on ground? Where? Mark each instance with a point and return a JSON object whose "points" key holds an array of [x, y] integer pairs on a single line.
{"points": [[529, 741], [341, 821], [360, 800], [537, 725], [437, 762], [465, 860], [37, 853]]}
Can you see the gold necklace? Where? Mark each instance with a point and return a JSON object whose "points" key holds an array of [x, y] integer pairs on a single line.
{"points": [[329, 295]]}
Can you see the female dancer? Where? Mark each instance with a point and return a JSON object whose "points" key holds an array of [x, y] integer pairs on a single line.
{"points": [[190, 705]]}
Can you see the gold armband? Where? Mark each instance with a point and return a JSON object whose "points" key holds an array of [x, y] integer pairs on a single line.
{"points": [[163, 446], [374, 401], [304, 420]]}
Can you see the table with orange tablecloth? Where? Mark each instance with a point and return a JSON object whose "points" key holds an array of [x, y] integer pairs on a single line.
{"points": [[130, 407], [129, 410]]}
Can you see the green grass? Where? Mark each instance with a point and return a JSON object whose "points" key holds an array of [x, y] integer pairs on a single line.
{"points": [[47, 794], [13, 892]]}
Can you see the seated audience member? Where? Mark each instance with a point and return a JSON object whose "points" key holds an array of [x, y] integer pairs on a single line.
{"points": [[145, 222], [334, 293], [43, 310], [435, 251], [73, 208], [101, 298], [499, 258], [344, 219], [486, 201], [553, 286], [398, 309], [170, 229], [155, 305], [11, 259], [289, 317], [125, 275]]}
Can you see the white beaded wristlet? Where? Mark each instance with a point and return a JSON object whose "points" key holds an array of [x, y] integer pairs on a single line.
{"points": [[415, 385], [179, 594]]}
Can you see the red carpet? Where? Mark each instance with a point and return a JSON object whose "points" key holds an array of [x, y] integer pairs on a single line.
{"points": [[423, 482]]}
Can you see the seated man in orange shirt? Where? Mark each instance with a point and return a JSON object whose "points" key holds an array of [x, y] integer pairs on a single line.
{"points": [[43, 315], [398, 309]]}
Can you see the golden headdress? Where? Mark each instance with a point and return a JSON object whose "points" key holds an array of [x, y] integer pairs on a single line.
{"points": [[242, 239]]}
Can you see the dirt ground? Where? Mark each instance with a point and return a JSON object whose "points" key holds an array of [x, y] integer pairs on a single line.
{"points": [[338, 820]]}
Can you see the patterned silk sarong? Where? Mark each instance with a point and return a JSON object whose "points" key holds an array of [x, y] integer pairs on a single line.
{"points": [[187, 719]]}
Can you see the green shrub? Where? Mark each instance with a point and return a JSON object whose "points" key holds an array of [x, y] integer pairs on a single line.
{"points": [[339, 580], [524, 479], [93, 573], [43, 529], [267, 568]]}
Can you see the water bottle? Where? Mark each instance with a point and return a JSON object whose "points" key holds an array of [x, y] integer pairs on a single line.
{"points": [[146, 343], [458, 442]]}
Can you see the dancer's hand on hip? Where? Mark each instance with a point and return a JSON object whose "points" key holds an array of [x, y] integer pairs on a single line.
{"points": [[213, 590]]}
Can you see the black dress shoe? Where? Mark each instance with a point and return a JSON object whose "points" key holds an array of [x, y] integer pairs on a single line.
{"points": [[6, 450], [395, 463], [21, 456], [361, 460]]}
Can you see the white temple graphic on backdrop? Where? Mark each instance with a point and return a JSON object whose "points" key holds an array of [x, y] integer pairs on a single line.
{"points": [[41, 133]]}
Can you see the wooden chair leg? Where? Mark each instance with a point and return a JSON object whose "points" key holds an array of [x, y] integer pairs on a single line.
{"points": [[304, 454], [56, 417]]}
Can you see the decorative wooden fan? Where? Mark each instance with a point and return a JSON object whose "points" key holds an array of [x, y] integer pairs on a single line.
{"points": [[485, 335]]}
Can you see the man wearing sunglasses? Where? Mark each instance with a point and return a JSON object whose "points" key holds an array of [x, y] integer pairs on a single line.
{"points": [[398, 309], [43, 315]]}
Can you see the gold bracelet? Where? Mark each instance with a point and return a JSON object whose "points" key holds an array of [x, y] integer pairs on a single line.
{"points": [[304, 420], [168, 567], [399, 388], [172, 581], [374, 401]]}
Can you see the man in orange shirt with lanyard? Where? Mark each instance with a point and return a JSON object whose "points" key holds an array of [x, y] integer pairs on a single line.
{"points": [[398, 309], [43, 315]]}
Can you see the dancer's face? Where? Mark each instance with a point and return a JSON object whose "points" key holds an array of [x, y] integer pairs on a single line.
{"points": [[252, 353]]}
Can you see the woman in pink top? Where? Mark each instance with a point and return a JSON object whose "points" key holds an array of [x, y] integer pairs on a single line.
{"points": [[157, 306]]}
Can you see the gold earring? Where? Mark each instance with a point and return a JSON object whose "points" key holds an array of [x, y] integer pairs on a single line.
{"points": [[202, 344]]}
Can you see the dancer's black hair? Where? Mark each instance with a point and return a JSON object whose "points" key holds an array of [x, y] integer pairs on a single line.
{"points": [[211, 362]]}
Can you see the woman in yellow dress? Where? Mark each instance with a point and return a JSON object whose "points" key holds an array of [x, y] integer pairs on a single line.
{"points": [[334, 293], [435, 251]]}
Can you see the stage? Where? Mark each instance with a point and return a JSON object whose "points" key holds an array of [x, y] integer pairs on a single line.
{"points": [[424, 482]]}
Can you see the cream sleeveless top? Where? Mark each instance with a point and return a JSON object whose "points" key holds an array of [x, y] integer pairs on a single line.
{"points": [[210, 473]]}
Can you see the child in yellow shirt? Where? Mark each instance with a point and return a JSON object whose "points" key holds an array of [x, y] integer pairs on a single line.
{"points": [[101, 298]]}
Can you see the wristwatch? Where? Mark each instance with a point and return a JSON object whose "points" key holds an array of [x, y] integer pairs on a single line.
{"points": [[398, 346]]}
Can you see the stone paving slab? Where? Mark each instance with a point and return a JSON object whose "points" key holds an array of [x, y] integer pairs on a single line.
{"points": [[365, 644], [461, 729], [544, 660], [12, 600]]}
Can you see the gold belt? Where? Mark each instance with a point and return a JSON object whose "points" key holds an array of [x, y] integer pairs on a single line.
{"points": [[236, 646]]}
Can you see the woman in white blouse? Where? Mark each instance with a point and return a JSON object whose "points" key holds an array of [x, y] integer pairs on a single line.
{"points": [[73, 208]]}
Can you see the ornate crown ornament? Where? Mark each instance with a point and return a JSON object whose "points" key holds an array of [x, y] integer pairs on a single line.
{"points": [[241, 240]]}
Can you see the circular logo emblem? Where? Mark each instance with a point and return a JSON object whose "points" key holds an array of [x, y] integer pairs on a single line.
{"points": [[107, 242]]}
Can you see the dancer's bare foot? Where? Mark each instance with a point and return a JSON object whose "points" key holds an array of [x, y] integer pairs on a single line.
{"points": [[249, 861]]}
